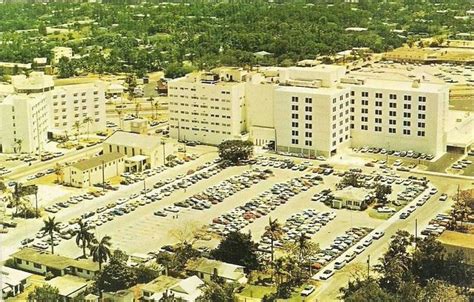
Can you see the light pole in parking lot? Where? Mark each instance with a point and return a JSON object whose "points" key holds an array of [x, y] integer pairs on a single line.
{"points": [[163, 143], [368, 266], [103, 177]]}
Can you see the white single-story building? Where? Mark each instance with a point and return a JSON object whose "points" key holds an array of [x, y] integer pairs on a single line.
{"points": [[95, 170], [205, 269], [70, 287], [13, 281]]}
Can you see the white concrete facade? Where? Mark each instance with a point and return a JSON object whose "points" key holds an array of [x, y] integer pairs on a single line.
{"points": [[34, 100], [400, 115], [24, 121], [59, 52], [75, 103], [208, 107], [309, 111]]}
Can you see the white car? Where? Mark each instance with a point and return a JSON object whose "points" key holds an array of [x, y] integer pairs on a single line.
{"points": [[326, 274], [378, 234], [443, 197], [172, 209], [359, 249], [339, 264], [41, 245], [433, 191], [308, 290], [386, 210]]}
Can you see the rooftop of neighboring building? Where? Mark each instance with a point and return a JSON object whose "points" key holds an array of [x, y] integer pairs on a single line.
{"points": [[160, 284], [35, 81], [208, 266], [351, 193], [133, 140], [311, 90], [54, 261], [68, 285], [408, 86], [97, 161], [11, 276]]}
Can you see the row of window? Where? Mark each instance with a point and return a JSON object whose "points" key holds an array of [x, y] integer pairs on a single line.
{"points": [[378, 95], [420, 133]]}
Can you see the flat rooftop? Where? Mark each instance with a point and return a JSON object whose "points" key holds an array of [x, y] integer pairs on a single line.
{"points": [[402, 85], [311, 90]]}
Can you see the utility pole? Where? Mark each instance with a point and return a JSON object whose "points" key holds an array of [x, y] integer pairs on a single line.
{"points": [[416, 233], [368, 266], [144, 186], [163, 143], [103, 177], [36, 202]]}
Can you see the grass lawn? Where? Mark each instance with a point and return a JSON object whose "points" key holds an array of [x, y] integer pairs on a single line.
{"points": [[374, 214], [257, 291]]}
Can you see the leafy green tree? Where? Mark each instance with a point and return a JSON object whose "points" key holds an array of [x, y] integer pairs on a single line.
{"points": [[66, 68], [381, 192], [215, 292], [235, 150], [237, 248], [45, 293], [115, 276]]}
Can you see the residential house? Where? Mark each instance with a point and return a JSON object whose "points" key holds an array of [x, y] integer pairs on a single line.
{"points": [[205, 269], [13, 281]]}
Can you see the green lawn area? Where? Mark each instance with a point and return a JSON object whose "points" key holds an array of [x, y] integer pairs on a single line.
{"points": [[257, 291], [374, 214], [444, 162]]}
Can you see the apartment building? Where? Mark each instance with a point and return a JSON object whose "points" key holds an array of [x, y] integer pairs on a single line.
{"points": [[208, 106], [76, 103], [399, 115]]}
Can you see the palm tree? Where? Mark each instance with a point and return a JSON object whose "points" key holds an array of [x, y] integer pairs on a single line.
{"points": [[50, 226], [274, 232], [17, 196], [87, 120], [119, 113], [17, 145], [77, 127], [59, 171], [100, 250], [83, 237]]}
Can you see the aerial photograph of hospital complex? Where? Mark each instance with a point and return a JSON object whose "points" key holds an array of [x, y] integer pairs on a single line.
{"points": [[237, 150]]}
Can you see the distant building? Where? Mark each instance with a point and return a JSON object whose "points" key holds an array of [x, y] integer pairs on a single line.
{"points": [[141, 151], [12, 66], [88, 172], [459, 242], [61, 52], [206, 268], [351, 198]]}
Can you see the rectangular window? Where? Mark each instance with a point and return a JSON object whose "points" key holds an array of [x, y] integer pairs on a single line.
{"points": [[308, 109], [364, 110], [365, 94], [392, 122], [406, 106], [308, 100], [308, 117], [378, 129], [294, 99], [406, 114], [421, 107], [294, 141], [392, 113], [392, 130], [406, 123], [407, 97], [308, 134], [393, 96], [294, 115], [421, 125], [421, 133], [308, 126], [365, 102], [294, 133], [422, 99], [294, 107], [294, 124], [308, 143], [364, 118], [378, 104], [406, 131], [378, 95], [364, 127], [378, 120], [421, 116], [393, 105], [378, 112]]}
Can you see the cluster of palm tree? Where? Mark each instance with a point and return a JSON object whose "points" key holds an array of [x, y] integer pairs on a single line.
{"points": [[99, 250], [290, 268], [78, 124]]}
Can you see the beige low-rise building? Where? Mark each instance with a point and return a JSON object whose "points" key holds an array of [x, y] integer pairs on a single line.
{"points": [[39, 262], [95, 170], [205, 269], [141, 151], [70, 287]]}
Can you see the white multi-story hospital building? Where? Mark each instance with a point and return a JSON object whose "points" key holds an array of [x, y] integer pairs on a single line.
{"points": [[33, 109], [309, 111]]}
